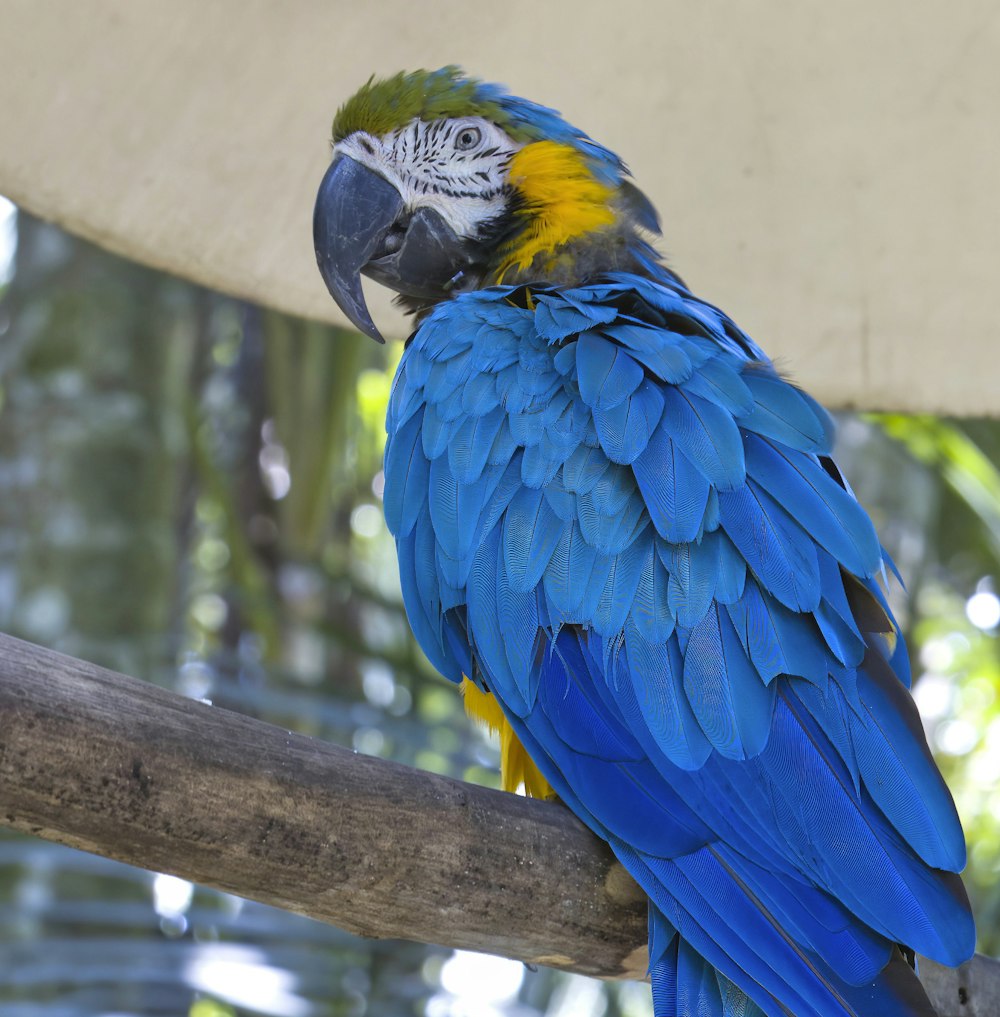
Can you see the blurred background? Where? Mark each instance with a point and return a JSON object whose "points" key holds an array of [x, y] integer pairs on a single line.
{"points": [[191, 495]]}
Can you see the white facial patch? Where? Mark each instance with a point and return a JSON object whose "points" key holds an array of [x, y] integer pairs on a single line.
{"points": [[456, 167]]}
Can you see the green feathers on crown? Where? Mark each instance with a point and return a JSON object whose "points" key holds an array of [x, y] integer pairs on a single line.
{"points": [[388, 104]]}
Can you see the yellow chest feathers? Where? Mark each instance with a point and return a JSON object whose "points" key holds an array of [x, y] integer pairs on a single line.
{"points": [[561, 200]]}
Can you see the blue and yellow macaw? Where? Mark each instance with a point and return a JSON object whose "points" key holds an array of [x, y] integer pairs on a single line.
{"points": [[622, 531]]}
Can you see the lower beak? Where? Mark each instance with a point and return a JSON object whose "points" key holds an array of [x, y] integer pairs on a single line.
{"points": [[355, 211]]}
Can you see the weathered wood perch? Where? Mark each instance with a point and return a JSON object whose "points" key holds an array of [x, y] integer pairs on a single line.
{"points": [[125, 769]]}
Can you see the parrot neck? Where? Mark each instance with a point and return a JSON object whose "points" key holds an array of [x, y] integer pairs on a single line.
{"points": [[576, 262], [580, 260], [563, 226], [566, 224], [557, 200]]}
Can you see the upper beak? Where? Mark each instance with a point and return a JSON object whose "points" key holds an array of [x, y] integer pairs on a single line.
{"points": [[355, 210], [360, 225]]}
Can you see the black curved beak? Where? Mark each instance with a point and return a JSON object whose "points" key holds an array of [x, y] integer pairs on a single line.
{"points": [[360, 226], [355, 211]]}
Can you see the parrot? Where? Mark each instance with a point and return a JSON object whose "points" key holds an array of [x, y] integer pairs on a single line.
{"points": [[622, 532]]}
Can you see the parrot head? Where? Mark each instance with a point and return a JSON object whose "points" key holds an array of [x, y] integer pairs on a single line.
{"points": [[441, 183]]}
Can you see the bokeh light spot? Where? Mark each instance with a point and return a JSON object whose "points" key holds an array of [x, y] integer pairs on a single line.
{"points": [[983, 610]]}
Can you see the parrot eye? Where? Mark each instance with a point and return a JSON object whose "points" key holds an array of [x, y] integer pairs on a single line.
{"points": [[467, 138]]}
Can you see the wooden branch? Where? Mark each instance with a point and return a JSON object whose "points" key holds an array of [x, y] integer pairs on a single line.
{"points": [[131, 771], [125, 769]]}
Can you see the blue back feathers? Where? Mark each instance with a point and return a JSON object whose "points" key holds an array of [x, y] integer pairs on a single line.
{"points": [[614, 514]]}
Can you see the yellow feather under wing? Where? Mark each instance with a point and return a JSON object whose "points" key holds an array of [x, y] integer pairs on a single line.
{"points": [[516, 766]]}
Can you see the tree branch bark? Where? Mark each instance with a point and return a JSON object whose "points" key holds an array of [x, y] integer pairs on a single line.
{"points": [[125, 769]]}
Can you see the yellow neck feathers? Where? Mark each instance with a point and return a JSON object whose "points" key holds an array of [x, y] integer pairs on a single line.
{"points": [[561, 201]]}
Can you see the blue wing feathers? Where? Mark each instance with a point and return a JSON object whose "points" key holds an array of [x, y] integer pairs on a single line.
{"points": [[729, 954], [443, 508], [663, 944], [613, 512], [665, 359], [574, 711], [840, 636], [435, 431], [479, 394], [675, 492], [525, 421], [559, 317], [708, 435], [624, 430], [406, 462], [785, 413], [485, 630], [901, 774], [416, 573], [721, 383], [584, 468], [697, 984], [569, 571], [606, 532], [818, 504], [619, 592], [815, 919], [531, 531], [830, 709], [504, 446], [651, 694], [732, 704], [518, 615], [778, 641], [493, 509], [589, 753], [605, 373], [700, 573], [731, 573], [611, 491], [651, 614], [774, 546], [541, 463], [469, 450]]}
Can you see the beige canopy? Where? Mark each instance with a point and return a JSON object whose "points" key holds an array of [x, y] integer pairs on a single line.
{"points": [[827, 172]]}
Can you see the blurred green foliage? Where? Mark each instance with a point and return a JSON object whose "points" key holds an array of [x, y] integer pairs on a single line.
{"points": [[192, 495]]}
